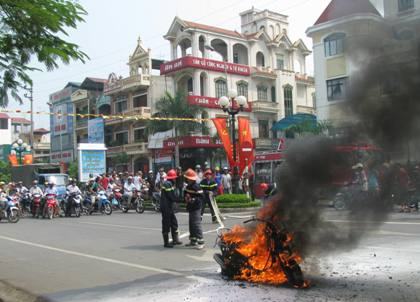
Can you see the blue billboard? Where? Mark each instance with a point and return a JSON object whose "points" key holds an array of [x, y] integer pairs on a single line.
{"points": [[96, 131], [91, 162]]}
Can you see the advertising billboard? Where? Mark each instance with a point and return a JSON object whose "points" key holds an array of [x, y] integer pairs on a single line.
{"points": [[96, 131], [92, 160]]}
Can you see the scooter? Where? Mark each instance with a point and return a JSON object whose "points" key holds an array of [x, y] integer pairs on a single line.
{"points": [[116, 198], [73, 205], [10, 211], [101, 206], [51, 207], [25, 203], [137, 204], [36, 205]]}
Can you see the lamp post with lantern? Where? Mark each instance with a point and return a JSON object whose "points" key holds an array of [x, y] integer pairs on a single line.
{"points": [[232, 105], [20, 147]]}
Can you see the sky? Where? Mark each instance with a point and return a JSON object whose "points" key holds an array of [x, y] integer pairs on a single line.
{"points": [[111, 29]]}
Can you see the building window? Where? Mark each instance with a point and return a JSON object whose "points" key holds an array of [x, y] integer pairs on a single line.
{"points": [[4, 124], [221, 88], [140, 100], [236, 58], [280, 61], [336, 89], [140, 135], [262, 93], [121, 105], [334, 44], [274, 131], [263, 129], [242, 88], [404, 5], [288, 100], [121, 138], [273, 94]]}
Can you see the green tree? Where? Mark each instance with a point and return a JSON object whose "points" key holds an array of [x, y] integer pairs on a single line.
{"points": [[309, 127], [170, 106], [5, 173], [73, 170], [32, 29]]}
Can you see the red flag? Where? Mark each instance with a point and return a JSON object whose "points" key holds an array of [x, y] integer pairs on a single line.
{"points": [[246, 145], [221, 127]]}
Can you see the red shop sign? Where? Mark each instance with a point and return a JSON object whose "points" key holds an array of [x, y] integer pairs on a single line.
{"points": [[206, 64], [269, 157], [192, 142]]}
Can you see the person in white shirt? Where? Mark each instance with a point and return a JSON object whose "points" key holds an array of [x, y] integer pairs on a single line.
{"points": [[226, 181], [129, 187], [51, 189], [73, 188], [35, 189]]}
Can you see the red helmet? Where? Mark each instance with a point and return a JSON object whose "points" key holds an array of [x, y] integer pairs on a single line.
{"points": [[264, 186], [171, 174], [190, 174], [208, 172]]}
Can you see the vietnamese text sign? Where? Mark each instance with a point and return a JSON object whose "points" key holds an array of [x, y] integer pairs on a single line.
{"points": [[91, 162]]}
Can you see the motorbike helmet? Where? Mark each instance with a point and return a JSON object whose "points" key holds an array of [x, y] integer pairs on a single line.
{"points": [[35, 182], [191, 175], [197, 167], [171, 174], [264, 187]]}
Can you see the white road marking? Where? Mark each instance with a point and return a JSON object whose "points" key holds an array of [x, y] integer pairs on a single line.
{"points": [[121, 226], [393, 249], [239, 217], [367, 222], [98, 258]]}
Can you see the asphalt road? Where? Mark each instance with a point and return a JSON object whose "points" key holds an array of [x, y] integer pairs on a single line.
{"points": [[121, 258]]}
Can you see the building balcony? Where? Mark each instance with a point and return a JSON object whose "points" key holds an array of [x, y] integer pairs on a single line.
{"points": [[133, 82], [305, 109], [131, 114], [304, 79], [205, 64], [41, 146], [263, 73], [266, 143], [265, 107], [135, 148]]}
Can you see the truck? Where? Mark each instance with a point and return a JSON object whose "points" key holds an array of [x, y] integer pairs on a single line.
{"points": [[43, 173]]}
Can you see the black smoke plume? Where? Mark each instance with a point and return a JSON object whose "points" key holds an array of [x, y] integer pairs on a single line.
{"points": [[383, 96]]}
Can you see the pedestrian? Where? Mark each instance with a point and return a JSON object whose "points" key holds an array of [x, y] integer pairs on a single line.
{"points": [[226, 181], [167, 203], [218, 180], [194, 199], [199, 173], [209, 187], [179, 184]]}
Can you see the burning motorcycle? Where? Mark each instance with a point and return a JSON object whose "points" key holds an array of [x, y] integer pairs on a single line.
{"points": [[9, 210], [36, 205], [264, 255], [137, 202], [51, 207]]}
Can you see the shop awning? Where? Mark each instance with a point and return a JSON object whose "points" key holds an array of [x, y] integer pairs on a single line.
{"points": [[294, 120]]}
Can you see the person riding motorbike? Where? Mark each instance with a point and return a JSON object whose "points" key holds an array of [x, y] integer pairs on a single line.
{"points": [[72, 188], [92, 189], [49, 190], [35, 189], [129, 188]]}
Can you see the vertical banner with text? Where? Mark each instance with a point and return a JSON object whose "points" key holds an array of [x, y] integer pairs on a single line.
{"points": [[221, 127], [246, 145]]}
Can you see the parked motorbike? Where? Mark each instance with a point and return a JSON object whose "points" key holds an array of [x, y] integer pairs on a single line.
{"points": [[73, 205], [36, 205], [51, 207], [137, 203], [9, 211], [102, 205]]}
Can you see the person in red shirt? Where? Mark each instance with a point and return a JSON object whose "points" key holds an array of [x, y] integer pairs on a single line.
{"points": [[104, 181]]}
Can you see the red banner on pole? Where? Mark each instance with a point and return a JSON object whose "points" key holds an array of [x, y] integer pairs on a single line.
{"points": [[221, 127], [246, 145]]}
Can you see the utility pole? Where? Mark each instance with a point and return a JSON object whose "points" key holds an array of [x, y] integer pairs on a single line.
{"points": [[31, 100]]}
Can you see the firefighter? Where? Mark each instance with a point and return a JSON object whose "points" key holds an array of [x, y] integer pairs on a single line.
{"points": [[208, 185], [194, 198], [167, 204]]}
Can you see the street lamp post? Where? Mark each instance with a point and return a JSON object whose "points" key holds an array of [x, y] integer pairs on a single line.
{"points": [[19, 147], [232, 105]]}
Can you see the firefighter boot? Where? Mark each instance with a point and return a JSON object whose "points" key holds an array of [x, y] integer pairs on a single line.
{"points": [[175, 238], [166, 241]]}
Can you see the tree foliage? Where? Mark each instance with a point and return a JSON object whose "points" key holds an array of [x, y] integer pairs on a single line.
{"points": [[5, 173], [32, 29], [309, 127], [73, 170], [175, 106]]}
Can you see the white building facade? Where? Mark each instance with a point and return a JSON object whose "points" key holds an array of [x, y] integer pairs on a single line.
{"points": [[260, 62]]}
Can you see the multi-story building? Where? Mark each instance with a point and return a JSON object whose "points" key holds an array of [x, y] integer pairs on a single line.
{"points": [[345, 21], [261, 62], [61, 125], [129, 99], [88, 99]]}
